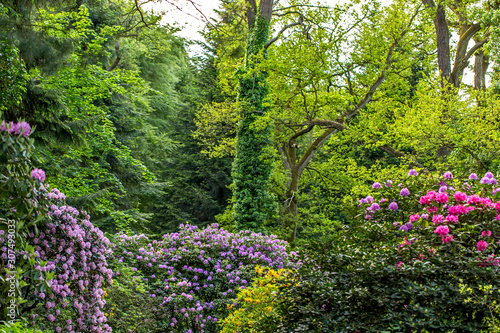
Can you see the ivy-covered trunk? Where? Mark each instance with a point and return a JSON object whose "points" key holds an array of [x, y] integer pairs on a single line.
{"points": [[254, 204]]}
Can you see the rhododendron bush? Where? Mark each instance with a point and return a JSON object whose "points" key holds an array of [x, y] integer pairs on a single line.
{"points": [[191, 276], [404, 261], [443, 216], [52, 252]]}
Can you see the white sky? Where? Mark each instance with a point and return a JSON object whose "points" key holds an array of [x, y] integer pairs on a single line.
{"points": [[187, 16]]}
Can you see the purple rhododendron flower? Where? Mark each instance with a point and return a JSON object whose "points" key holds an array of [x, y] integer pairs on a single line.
{"points": [[473, 176], [38, 174], [376, 185], [406, 227], [488, 175], [404, 192], [448, 175], [24, 128], [412, 172]]}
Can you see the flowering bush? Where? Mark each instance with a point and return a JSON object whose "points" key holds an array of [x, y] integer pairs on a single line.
{"points": [[191, 276], [400, 266], [452, 217], [50, 252], [255, 309], [71, 252]]}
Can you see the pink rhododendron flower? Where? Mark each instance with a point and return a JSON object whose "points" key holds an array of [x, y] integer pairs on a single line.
{"points": [[460, 196], [486, 233], [452, 218], [414, 217], [436, 219], [442, 198], [447, 239], [482, 245], [442, 230]]}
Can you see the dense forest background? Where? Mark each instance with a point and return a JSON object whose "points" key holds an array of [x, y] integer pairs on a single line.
{"points": [[143, 136]]}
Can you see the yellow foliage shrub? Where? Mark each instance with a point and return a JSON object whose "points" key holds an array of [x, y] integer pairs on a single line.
{"points": [[255, 308]]}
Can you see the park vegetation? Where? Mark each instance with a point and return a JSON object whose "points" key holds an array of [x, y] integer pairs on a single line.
{"points": [[317, 167]]}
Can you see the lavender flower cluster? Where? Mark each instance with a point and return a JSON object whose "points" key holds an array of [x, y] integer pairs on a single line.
{"points": [[74, 251], [194, 274], [22, 128]]}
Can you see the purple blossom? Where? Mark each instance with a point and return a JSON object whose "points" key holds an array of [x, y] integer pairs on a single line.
{"points": [[406, 227], [404, 192], [412, 172], [38, 174], [376, 185], [488, 175], [473, 176], [448, 175], [393, 206]]}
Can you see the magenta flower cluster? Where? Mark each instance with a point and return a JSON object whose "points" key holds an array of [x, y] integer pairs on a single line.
{"points": [[194, 274], [22, 128], [74, 251], [445, 212]]}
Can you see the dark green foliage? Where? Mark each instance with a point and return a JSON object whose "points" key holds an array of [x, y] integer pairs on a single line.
{"points": [[362, 290], [254, 204], [12, 74]]}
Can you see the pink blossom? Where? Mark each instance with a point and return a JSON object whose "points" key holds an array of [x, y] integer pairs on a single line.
{"points": [[460, 196], [38, 174], [436, 219], [452, 218], [432, 209], [414, 217], [486, 233], [482, 245], [442, 230], [447, 239], [442, 198]]}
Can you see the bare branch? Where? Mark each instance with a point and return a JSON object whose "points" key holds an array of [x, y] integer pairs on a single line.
{"points": [[295, 6], [288, 26]]}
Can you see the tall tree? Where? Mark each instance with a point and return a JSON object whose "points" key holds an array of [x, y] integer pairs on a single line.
{"points": [[254, 203]]}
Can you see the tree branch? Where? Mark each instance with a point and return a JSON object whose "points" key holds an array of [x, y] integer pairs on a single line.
{"points": [[464, 61], [271, 41]]}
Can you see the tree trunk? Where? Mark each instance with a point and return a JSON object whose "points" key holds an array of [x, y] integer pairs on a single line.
{"points": [[290, 208], [442, 42], [481, 63]]}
